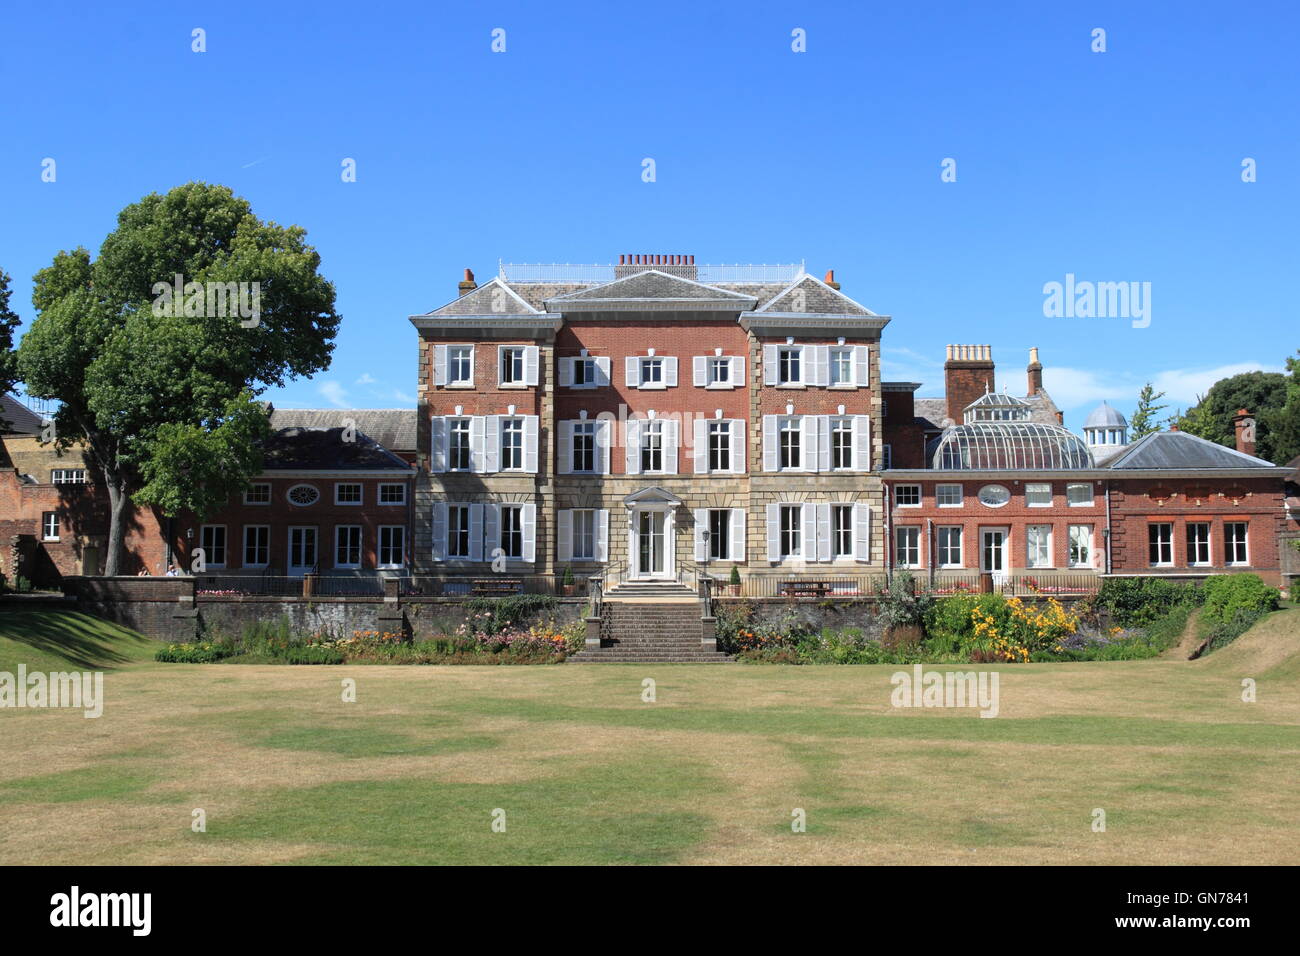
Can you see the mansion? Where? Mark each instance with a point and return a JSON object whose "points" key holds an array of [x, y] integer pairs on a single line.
{"points": [[656, 418]]}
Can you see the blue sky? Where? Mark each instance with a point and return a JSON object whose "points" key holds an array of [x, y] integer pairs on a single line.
{"points": [[1115, 166]]}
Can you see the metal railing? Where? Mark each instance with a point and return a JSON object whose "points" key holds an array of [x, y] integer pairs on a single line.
{"points": [[218, 586], [582, 273], [492, 585]]}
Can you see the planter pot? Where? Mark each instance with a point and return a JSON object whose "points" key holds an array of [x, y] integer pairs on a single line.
{"points": [[568, 590]]}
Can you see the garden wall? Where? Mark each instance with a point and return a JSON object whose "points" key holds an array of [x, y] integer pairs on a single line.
{"points": [[815, 614]]}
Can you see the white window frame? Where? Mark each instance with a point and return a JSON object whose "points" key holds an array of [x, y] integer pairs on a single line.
{"points": [[258, 484], [380, 547], [577, 518], [266, 547], [647, 363], [943, 549], [912, 531], [68, 476], [721, 430], [1037, 487], [1069, 556], [1167, 544], [1031, 555], [315, 547], [840, 355], [1229, 541], [790, 531], [209, 548], [947, 486], [46, 525], [840, 425], [338, 494], [388, 486], [1074, 486], [512, 424], [339, 529], [1207, 543], [507, 357], [454, 534], [898, 496], [455, 354], [787, 355], [790, 425], [841, 534]]}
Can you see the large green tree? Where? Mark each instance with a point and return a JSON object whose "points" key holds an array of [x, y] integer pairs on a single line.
{"points": [[164, 398], [1284, 423], [1261, 393], [8, 323], [1144, 421]]}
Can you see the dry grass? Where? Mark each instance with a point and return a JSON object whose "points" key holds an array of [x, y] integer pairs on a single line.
{"points": [[709, 773]]}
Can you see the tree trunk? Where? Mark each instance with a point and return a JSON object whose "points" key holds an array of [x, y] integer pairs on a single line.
{"points": [[117, 501]]}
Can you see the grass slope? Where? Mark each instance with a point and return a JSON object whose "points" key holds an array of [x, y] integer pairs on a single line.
{"points": [[59, 640], [585, 771]]}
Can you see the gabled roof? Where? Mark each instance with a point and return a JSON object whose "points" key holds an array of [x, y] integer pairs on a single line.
{"points": [[16, 418], [808, 294], [997, 400], [324, 449], [392, 428], [1174, 450], [653, 495], [493, 297], [652, 286]]}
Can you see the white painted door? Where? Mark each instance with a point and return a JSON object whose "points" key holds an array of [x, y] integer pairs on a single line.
{"points": [[993, 553], [302, 550], [650, 544]]}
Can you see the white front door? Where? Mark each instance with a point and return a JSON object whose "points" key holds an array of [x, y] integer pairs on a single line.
{"points": [[651, 551], [993, 553], [302, 550]]}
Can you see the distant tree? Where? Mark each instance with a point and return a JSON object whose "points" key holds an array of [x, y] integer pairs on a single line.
{"points": [[1144, 421], [164, 403], [1263, 394], [8, 324], [1284, 424]]}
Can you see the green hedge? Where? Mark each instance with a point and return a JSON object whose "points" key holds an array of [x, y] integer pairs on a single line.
{"points": [[1141, 602]]}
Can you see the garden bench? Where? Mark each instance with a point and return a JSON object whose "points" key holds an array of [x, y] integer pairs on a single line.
{"points": [[805, 588], [496, 586]]}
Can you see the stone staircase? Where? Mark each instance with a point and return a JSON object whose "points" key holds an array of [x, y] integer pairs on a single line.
{"points": [[645, 622]]}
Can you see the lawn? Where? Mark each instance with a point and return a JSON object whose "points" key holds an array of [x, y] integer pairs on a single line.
{"points": [[587, 772]]}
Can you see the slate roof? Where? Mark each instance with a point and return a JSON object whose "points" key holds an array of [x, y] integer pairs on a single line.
{"points": [[1103, 416], [392, 428], [652, 284], [323, 449], [818, 297], [1178, 450], [493, 297], [16, 418]]}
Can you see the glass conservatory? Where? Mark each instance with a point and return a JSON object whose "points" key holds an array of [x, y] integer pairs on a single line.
{"points": [[996, 407], [988, 446]]}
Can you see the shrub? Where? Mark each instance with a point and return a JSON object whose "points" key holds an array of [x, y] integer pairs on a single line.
{"points": [[197, 653], [1227, 595], [496, 614], [734, 578], [900, 604], [1140, 602]]}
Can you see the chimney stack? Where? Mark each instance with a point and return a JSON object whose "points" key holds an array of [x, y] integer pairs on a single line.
{"points": [[1035, 372], [830, 280], [674, 264], [1244, 425], [467, 284], [967, 374]]}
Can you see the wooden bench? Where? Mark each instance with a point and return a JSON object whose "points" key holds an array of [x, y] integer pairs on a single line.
{"points": [[497, 586], [805, 588]]}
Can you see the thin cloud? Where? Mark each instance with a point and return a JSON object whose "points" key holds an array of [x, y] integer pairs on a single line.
{"points": [[366, 379], [334, 393], [1076, 387]]}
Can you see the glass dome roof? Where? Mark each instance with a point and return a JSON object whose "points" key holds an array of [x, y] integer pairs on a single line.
{"points": [[990, 446]]}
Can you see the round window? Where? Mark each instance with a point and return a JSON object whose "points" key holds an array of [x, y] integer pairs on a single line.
{"points": [[303, 495], [994, 496]]}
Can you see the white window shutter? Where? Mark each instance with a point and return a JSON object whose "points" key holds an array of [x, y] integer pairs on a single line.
{"points": [[564, 535], [477, 446], [491, 531], [632, 371], [861, 531], [528, 513], [821, 357], [823, 532], [602, 535], [564, 453], [773, 532], [739, 446], [737, 525], [861, 368], [602, 447], [670, 371], [771, 460], [632, 446], [530, 444], [808, 444], [602, 370], [861, 443], [531, 363], [476, 532], [440, 531], [738, 371], [440, 365], [700, 370], [823, 443], [491, 443], [501, 350], [701, 447], [672, 440], [472, 365], [438, 444], [769, 364], [701, 524], [808, 528], [566, 371]]}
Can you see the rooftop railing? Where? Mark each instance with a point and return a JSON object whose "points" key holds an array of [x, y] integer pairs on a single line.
{"points": [[595, 273]]}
